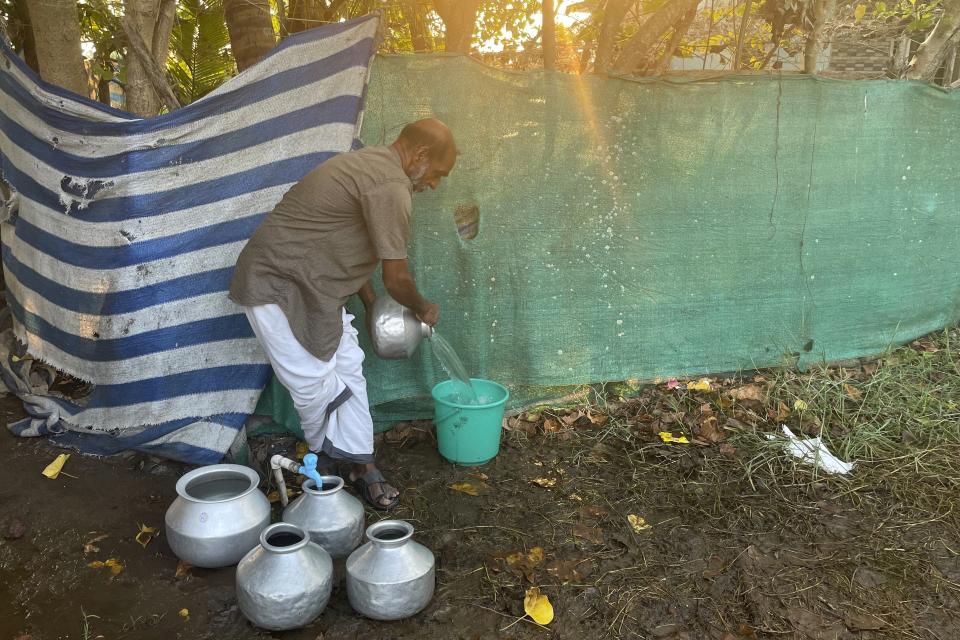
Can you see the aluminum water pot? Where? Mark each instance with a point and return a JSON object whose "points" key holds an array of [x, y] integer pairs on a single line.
{"points": [[218, 515], [332, 517], [284, 582], [390, 577], [395, 330]]}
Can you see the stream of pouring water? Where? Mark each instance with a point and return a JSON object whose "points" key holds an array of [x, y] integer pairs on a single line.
{"points": [[464, 393]]}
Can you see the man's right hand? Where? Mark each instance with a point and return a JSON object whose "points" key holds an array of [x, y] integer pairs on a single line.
{"points": [[429, 314]]}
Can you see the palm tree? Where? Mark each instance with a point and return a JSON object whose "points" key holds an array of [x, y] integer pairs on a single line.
{"points": [[200, 58], [251, 30]]}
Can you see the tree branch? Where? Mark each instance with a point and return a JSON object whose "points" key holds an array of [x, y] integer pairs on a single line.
{"points": [[932, 51], [153, 70], [640, 46], [549, 36], [679, 30], [737, 56], [160, 47], [613, 15], [823, 11]]}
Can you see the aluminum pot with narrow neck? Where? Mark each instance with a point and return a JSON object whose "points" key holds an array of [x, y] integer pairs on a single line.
{"points": [[391, 577], [395, 330], [285, 581], [332, 517], [218, 515]]}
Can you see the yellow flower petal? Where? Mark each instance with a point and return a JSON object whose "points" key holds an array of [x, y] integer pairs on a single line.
{"points": [[799, 405], [145, 535], [185, 613], [545, 482], [666, 436], [112, 563], [538, 606], [639, 524], [701, 385], [53, 469]]}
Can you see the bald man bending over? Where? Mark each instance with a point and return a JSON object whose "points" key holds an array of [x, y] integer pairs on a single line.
{"points": [[320, 245]]}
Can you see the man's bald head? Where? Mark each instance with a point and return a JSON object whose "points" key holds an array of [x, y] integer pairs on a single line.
{"points": [[427, 152], [432, 134]]}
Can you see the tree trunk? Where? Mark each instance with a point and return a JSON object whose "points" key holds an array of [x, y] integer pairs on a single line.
{"points": [[459, 18], [823, 11], [613, 15], [307, 14], [160, 45], [56, 35], [638, 50], [141, 99], [933, 50], [251, 30], [419, 38], [741, 34], [549, 36], [103, 91], [138, 50], [21, 33], [679, 30]]}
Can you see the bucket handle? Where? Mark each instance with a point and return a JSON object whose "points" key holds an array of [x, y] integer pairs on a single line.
{"points": [[449, 415]]}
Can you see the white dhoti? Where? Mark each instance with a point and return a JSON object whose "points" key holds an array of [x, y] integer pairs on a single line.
{"points": [[331, 396]]}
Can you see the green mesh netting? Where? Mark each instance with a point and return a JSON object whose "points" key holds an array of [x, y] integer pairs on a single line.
{"points": [[635, 229]]}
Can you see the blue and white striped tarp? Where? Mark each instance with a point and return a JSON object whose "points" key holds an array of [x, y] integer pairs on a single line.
{"points": [[122, 234]]}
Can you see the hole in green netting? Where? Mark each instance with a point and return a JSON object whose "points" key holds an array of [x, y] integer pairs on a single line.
{"points": [[467, 219]]}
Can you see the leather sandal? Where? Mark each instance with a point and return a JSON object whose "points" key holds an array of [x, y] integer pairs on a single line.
{"points": [[363, 483]]}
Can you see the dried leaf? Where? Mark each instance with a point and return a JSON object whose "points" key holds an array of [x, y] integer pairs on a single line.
{"points": [[551, 425], [465, 487], [571, 417], [302, 449], [479, 475], [569, 570], [666, 436], [700, 385], [598, 419], [710, 431], [852, 391], [53, 469], [639, 524], [593, 511], [575, 497], [538, 606], [748, 392], [545, 482], [728, 450], [593, 534], [90, 546], [145, 535], [183, 569], [782, 412]]}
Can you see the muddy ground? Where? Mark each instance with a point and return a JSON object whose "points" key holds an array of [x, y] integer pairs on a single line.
{"points": [[736, 541]]}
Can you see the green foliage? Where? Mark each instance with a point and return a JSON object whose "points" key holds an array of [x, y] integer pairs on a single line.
{"points": [[507, 23], [912, 15], [100, 26], [200, 58]]}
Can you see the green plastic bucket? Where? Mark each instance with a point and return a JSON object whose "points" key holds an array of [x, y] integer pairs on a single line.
{"points": [[469, 434]]}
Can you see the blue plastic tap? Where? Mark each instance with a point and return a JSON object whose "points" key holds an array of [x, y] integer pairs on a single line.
{"points": [[309, 469]]}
